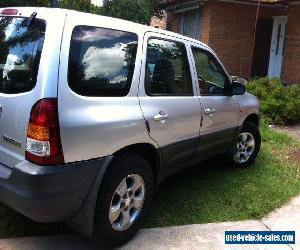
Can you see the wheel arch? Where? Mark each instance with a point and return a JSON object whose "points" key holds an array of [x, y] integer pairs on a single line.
{"points": [[147, 151], [254, 118], [83, 221]]}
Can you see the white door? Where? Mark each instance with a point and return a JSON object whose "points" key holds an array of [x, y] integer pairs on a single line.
{"points": [[277, 46]]}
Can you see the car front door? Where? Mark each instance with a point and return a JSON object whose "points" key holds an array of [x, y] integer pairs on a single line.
{"points": [[168, 101], [220, 110]]}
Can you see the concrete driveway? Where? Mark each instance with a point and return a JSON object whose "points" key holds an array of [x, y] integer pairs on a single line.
{"points": [[205, 236]]}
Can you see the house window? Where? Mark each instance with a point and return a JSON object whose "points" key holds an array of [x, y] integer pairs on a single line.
{"points": [[190, 23]]}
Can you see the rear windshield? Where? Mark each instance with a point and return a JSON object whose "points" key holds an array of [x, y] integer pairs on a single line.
{"points": [[101, 61], [21, 45]]}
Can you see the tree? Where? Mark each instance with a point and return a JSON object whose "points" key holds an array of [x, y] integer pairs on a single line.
{"points": [[80, 5], [8, 3], [140, 11]]}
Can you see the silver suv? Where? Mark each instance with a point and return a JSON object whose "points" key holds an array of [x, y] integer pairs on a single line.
{"points": [[96, 112]]}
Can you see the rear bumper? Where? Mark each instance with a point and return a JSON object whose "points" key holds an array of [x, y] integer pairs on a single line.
{"points": [[51, 193]]}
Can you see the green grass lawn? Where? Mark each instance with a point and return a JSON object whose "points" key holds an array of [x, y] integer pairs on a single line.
{"points": [[210, 192]]}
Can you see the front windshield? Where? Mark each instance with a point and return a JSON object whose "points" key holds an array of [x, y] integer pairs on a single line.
{"points": [[21, 45]]}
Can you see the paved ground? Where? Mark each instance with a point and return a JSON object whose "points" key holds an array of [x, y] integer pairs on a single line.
{"points": [[205, 236], [293, 130]]}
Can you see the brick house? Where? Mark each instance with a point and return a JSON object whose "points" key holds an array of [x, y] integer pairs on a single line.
{"points": [[270, 48], [159, 22]]}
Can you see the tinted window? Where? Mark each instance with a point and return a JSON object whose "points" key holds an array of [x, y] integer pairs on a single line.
{"points": [[101, 61], [167, 69], [212, 78], [20, 51]]}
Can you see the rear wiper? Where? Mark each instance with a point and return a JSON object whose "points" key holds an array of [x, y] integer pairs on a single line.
{"points": [[31, 18]]}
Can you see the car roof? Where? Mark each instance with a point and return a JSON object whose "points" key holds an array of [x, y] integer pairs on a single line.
{"points": [[139, 28]]}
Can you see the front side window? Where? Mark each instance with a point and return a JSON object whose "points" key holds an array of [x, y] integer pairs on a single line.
{"points": [[167, 69], [101, 61], [211, 76], [21, 45]]}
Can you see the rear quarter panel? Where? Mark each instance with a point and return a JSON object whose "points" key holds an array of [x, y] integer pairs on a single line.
{"points": [[93, 127]]}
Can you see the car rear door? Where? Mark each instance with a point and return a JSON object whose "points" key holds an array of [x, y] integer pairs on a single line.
{"points": [[99, 111], [168, 100], [24, 73], [220, 110]]}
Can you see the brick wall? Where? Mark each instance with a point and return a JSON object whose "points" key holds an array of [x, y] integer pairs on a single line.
{"points": [[173, 21], [291, 61], [229, 29], [231, 35], [159, 22], [206, 19]]}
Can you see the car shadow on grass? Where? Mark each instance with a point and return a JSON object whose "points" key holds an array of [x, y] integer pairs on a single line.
{"points": [[14, 224], [209, 192], [215, 191]]}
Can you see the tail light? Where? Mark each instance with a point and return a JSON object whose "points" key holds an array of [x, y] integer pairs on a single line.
{"points": [[43, 144], [9, 12]]}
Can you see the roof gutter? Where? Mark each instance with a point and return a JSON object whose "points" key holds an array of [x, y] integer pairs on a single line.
{"points": [[175, 6], [262, 4], [294, 3], [171, 5]]}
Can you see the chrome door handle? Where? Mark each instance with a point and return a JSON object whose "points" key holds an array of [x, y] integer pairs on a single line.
{"points": [[209, 111], [160, 117]]}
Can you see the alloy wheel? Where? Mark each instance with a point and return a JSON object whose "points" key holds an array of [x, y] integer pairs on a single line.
{"points": [[127, 202], [245, 147]]}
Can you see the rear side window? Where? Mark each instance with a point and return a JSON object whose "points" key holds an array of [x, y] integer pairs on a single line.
{"points": [[20, 51], [101, 61]]}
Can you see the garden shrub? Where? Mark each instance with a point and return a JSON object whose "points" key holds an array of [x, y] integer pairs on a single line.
{"points": [[279, 104]]}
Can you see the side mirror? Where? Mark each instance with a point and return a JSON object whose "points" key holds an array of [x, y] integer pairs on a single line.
{"points": [[239, 79], [238, 88]]}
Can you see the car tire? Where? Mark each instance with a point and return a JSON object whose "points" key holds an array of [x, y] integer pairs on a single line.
{"points": [[109, 228], [247, 146]]}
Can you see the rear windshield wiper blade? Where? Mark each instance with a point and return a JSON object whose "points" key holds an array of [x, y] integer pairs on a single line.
{"points": [[31, 18]]}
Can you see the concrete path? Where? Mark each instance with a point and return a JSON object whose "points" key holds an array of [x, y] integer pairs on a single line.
{"points": [[293, 130], [205, 236]]}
